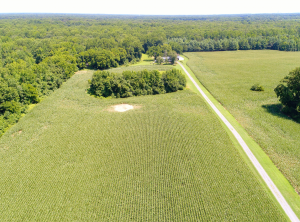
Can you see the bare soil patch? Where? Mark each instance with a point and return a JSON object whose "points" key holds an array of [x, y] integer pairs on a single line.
{"points": [[122, 108]]}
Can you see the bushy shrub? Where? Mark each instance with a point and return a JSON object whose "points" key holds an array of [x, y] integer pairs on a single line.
{"points": [[289, 93], [105, 84], [257, 87], [10, 106]]}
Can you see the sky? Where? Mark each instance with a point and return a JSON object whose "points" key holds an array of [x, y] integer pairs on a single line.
{"points": [[152, 7]]}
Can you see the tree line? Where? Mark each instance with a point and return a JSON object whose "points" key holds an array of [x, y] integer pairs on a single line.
{"points": [[282, 43]]}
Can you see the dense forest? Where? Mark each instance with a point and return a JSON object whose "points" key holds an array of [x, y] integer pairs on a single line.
{"points": [[40, 51]]}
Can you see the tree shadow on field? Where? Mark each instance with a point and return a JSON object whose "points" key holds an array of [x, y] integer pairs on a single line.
{"points": [[275, 110]]}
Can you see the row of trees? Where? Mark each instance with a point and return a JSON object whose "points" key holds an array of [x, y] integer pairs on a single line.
{"points": [[127, 84], [252, 43]]}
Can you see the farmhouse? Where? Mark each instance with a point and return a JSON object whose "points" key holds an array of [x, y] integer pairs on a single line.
{"points": [[178, 58]]}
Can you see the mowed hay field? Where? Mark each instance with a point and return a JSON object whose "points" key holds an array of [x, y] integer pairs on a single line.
{"points": [[229, 77], [72, 158]]}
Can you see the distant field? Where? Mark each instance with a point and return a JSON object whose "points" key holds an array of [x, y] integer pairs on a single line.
{"points": [[72, 159], [229, 77]]}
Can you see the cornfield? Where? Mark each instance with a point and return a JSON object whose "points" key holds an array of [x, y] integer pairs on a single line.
{"points": [[72, 159]]}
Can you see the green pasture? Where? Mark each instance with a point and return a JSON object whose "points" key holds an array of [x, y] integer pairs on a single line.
{"points": [[142, 67], [145, 60], [72, 158], [228, 76]]}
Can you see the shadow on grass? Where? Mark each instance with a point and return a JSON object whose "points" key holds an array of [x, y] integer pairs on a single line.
{"points": [[275, 110]]}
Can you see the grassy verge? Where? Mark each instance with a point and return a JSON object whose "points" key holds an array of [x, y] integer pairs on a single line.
{"points": [[278, 178]]}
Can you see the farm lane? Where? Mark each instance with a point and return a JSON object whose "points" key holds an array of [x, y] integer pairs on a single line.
{"points": [[253, 159]]}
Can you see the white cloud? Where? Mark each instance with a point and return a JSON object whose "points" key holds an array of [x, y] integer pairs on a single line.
{"points": [[177, 7]]}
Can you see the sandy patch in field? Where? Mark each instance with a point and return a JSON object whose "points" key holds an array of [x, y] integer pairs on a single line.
{"points": [[16, 133], [81, 72], [122, 107]]}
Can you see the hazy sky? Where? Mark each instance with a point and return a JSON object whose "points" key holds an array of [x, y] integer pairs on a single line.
{"points": [[154, 7]]}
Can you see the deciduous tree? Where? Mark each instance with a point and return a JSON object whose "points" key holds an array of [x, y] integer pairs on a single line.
{"points": [[289, 93]]}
